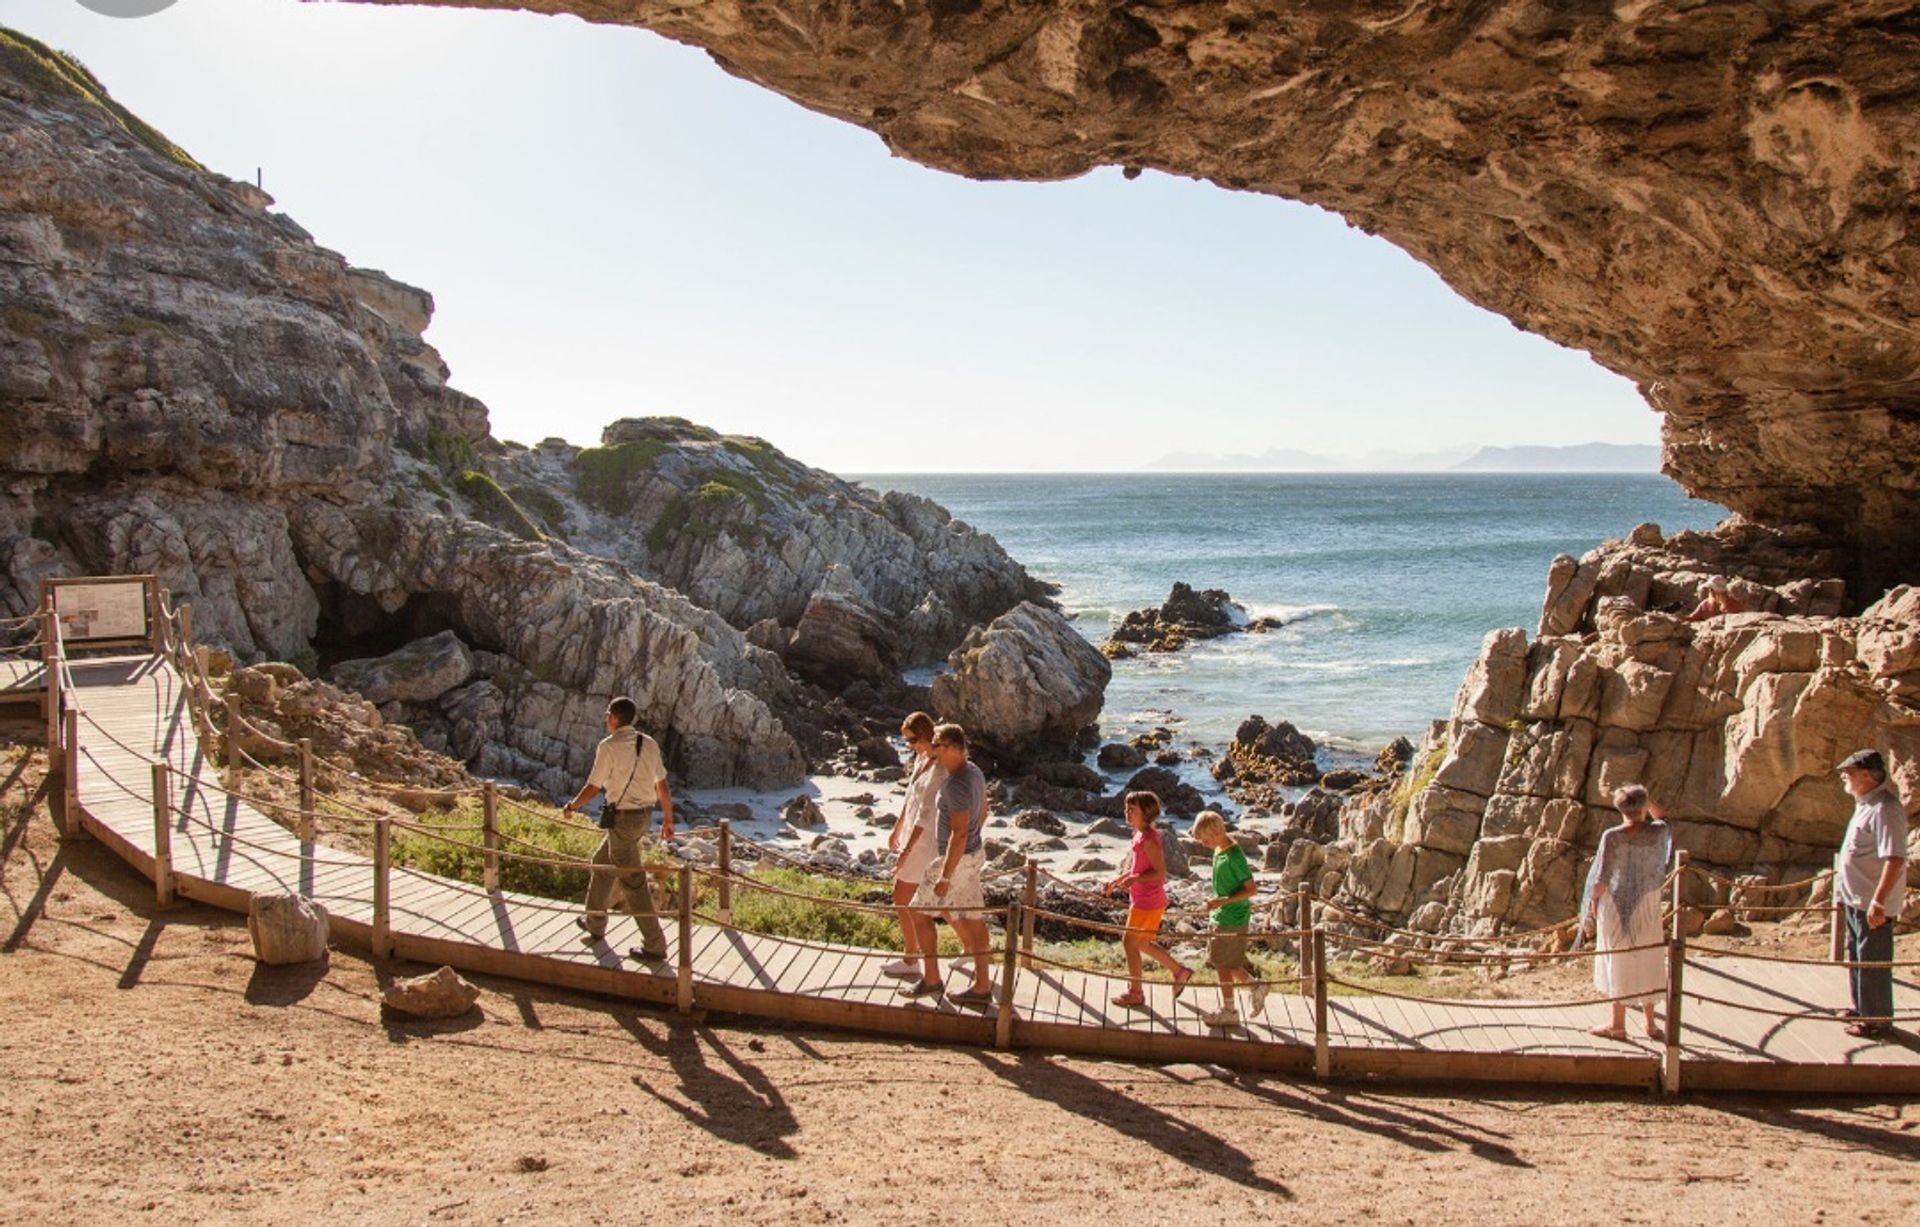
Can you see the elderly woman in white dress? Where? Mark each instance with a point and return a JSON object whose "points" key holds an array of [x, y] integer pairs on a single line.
{"points": [[1621, 907]]}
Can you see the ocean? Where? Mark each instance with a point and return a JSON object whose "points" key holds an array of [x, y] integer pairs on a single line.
{"points": [[1387, 582]]}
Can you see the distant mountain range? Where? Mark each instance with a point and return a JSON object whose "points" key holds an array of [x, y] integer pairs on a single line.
{"points": [[1578, 458]]}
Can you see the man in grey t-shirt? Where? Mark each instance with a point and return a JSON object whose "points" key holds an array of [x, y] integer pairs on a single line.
{"points": [[952, 884], [1869, 884]]}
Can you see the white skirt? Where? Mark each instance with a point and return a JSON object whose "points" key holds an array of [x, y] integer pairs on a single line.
{"points": [[1638, 975]]}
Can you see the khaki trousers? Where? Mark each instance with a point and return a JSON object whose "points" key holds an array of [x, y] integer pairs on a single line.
{"points": [[620, 849]]}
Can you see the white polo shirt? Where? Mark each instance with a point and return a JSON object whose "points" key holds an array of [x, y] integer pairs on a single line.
{"points": [[1876, 834], [628, 768]]}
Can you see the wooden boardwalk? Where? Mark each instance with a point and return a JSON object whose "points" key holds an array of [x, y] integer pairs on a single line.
{"points": [[135, 712]]}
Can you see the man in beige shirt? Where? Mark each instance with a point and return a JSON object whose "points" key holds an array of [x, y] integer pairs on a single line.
{"points": [[628, 769]]}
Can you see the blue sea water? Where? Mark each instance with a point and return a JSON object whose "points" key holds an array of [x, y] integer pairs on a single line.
{"points": [[1388, 582]]}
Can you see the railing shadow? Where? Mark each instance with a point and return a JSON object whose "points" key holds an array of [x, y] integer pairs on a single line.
{"points": [[1186, 1143], [737, 1104]]}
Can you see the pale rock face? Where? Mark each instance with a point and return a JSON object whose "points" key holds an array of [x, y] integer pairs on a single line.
{"points": [[1024, 685], [1734, 724], [287, 929]]}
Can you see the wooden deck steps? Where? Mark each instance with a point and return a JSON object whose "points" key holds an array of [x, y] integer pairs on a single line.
{"points": [[225, 851]]}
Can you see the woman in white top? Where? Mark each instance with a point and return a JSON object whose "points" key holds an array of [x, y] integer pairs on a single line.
{"points": [[912, 839], [1621, 907]]}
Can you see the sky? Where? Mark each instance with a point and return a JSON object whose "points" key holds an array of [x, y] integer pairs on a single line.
{"points": [[611, 227]]}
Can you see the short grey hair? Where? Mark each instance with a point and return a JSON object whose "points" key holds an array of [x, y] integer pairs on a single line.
{"points": [[1630, 798]]}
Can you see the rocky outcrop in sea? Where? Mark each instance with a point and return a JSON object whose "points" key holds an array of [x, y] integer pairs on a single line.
{"points": [[199, 390]]}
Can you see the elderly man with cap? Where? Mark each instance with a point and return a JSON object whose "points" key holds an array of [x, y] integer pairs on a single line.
{"points": [[1870, 884]]}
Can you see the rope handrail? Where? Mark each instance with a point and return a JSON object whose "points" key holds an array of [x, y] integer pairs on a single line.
{"points": [[1484, 957], [1776, 888], [1721, 951], [851, 905], [1381, 925], [1106, 974], [862, 952], [1492, 1003], [1806, 1015], [1101, 926]]}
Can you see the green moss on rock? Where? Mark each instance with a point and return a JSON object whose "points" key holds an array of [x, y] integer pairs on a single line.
{"points": [[602, 474], [492, 505]]}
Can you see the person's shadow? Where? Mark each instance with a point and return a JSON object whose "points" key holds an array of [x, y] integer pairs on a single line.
{"points": [[734, 1102], [1177, 1139]]}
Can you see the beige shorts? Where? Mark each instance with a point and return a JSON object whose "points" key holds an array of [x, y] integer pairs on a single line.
{"points": [[964, 891], [1227, 949]]}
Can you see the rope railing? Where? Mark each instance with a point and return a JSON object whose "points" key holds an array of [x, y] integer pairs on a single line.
{"points": [[1816, 1015], [1492, 1003]]}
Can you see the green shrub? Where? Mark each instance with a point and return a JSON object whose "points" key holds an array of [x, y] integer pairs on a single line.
{"points": [[541, 503], [450, 453], [41, 68], [466, 862], [602, 474], [492, 505]]}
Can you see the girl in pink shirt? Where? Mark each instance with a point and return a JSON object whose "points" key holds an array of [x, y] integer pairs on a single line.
{"points": [[1146, 886]]}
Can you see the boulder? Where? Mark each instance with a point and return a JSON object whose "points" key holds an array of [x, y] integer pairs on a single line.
{"points": [[1118, 756], [420, 672], [1091, 864], [1112, 827], [1039, 820], [1176, 795], [1024, 686], [287, 929], [802, 812], [841, 637], [442, 994]]}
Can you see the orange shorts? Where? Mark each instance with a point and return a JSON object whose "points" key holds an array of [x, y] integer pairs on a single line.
{"points": [[1145, 919]]}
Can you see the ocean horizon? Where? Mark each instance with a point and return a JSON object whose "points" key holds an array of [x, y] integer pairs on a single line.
{"points": [[1386, 583]]}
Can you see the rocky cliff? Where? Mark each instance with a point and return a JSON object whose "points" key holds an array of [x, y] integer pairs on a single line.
{"points": [[1714, 200], [195, 388], [1735, 723]]}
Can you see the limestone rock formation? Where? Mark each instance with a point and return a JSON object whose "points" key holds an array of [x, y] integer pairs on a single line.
{"points": [[1734, 724], [1714, 201], [200, 391], [1024, 686], [287, 929], [439, 994]]}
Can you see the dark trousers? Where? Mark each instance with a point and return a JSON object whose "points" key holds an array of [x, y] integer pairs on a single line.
{"points": [[1872, 986]]}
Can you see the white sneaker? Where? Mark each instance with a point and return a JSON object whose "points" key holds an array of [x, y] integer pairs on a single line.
{"points": [[1257, 998], [900, 969], [1225, 1017]]}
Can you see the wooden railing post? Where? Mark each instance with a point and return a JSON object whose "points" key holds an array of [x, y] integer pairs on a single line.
{"points": [[1836, 926], [1303, 920], [1676, 966], [726, 872], [70, 774], [1009, 969], [1029, 902], [1322, 1045], [490, 834], [163, 834], [684, 995], [156, 617], [306, 790], [382, 888], [50, 668]]}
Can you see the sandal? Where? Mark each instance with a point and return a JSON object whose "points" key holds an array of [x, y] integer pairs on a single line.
{"points": [[1866, 1031], [1131, 1001], [1656, 1032], [1180, 979], [1608, 1033]]}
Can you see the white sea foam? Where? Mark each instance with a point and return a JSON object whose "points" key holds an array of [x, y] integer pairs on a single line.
{"points": [[1286, 614]]}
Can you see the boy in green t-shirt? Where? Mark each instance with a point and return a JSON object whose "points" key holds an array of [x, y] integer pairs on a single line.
{"points": [[1233, 886]]}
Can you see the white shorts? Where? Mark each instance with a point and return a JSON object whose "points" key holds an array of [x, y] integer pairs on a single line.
{"points": [[913, 866], [964, 891]]}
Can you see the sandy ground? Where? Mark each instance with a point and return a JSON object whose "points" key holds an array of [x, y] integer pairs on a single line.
{"points": [[155, 1073]]}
